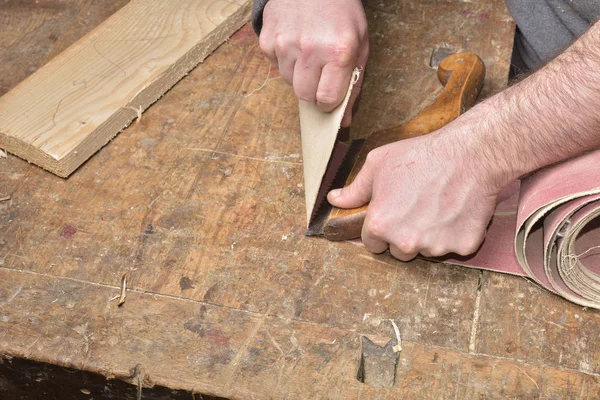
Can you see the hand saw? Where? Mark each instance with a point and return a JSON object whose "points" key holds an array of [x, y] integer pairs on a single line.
{"points": [[462, 76]]}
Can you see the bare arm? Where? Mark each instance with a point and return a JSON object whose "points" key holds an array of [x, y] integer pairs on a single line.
{"points": [[547, 118], [436, 194]]}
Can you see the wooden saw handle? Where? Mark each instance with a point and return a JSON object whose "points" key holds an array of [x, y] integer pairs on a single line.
{"points": [[462, 76]]}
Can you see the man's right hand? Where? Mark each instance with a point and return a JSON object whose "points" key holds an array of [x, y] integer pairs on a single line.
{"points": [[316, 44]]}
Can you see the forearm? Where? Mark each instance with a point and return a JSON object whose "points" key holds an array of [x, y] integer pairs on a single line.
{"points": [[548, 117]]}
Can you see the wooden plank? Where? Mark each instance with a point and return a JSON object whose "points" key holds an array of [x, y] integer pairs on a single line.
{"points": [[62, 114], [33, 34]]}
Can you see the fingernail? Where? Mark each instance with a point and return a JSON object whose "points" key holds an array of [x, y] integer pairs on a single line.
{"points": [[335, 193]]}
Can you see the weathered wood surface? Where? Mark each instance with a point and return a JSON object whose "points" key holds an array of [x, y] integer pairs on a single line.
{"points": [[67, 110], [201, 203]]}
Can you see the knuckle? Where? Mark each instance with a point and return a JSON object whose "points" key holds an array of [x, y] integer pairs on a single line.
{"points": [[376, 156], [327, 97], [377, 225], [265, 44], [281, 44], [306, 46], [345, 50], [409, 245], [373, 156], [438, 251]]}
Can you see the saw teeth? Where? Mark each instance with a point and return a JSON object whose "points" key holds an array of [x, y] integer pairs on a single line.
{"points": [[342, 153], [340, 150]]}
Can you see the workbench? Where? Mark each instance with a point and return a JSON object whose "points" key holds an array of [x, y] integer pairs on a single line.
{"points": [[200, 205]]}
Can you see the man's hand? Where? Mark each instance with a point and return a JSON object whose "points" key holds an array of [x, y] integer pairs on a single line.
{"points": [[316, 44], [435, 194], [428, 195]]}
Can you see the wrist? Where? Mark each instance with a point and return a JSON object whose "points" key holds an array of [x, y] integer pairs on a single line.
{"points": [[546, 118], [474, 142], [496, 135]]}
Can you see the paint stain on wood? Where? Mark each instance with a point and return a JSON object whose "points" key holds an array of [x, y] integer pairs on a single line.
{"points": [[217, 338], [68, 231]]}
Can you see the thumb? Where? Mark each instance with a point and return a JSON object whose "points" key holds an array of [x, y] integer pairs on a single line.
{"points": [[357, 193]]}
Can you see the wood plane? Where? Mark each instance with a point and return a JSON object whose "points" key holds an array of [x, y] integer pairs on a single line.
{"points": [[462, 75]]}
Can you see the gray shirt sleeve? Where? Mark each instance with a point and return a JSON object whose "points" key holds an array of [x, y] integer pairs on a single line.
{"points": [[547, 27], [257, 14]]}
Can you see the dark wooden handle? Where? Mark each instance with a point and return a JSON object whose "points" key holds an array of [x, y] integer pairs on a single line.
{"points": [[462, 76]]}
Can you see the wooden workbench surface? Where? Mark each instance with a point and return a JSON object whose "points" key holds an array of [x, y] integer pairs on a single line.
{"points": [[201, 204]]}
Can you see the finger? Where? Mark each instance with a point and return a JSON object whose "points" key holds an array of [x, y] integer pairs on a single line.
{"points": [[286, 69], [400, 255], [344, 134], [470, 244], [306, 80], [371, 241], [286, 62], [361, 63], [433, 245], [273, 62], [426, 253], [433, 252], [333, 85], [267, 46], [357, 193]]}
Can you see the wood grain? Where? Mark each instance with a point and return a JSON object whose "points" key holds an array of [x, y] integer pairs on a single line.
{"points": [[75, 104], [220, 351], [211, 235]]}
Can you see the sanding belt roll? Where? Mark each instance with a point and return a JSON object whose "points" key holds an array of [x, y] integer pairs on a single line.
{"points": [[547, 228]]}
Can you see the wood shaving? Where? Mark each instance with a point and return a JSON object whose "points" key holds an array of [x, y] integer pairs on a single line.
{"points": [[123, 290], [138, 111], [398, 347], [263, 85], [530, 378]]}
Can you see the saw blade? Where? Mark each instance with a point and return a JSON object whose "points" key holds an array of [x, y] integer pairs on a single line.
{"points": [[339, 167]]}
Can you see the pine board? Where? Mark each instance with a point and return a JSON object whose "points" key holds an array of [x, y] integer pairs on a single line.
{"points": [[71, 107]]}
